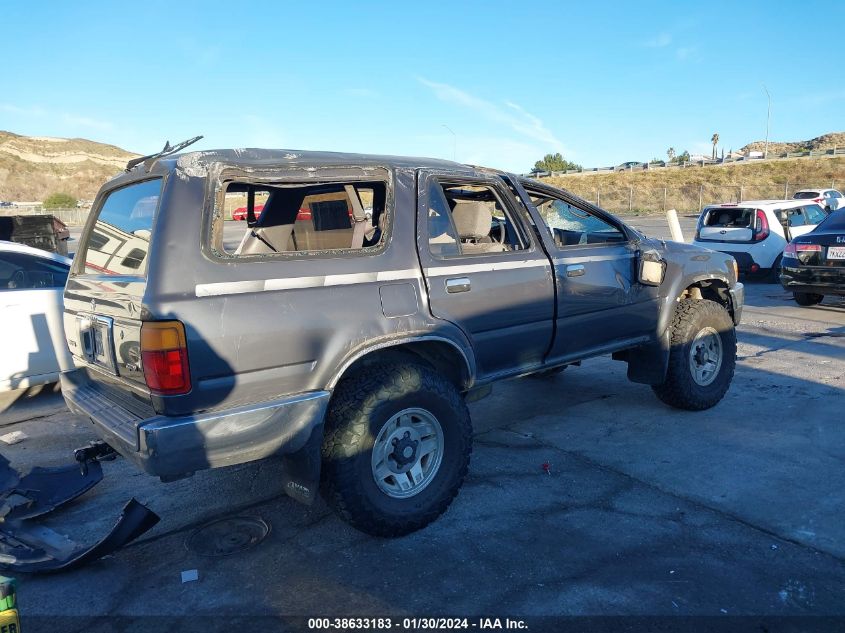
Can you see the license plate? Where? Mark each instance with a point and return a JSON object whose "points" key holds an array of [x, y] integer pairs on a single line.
{"points": [[836, 252], [95, 333]]}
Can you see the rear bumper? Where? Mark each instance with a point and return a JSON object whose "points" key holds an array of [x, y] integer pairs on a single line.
{"points": [[172, 447], [815, 280]]}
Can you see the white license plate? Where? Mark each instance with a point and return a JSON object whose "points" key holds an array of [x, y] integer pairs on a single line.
{"points": [[836, 252]]}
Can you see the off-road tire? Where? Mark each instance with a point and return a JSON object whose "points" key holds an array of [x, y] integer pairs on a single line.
{"points": [[807, 298], [360, 406], [680, 390]]}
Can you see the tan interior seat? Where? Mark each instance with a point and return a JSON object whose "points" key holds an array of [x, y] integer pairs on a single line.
{"points": [[473, 221]]}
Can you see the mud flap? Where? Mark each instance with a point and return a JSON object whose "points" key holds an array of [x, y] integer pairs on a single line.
{"points": [[302, 468], [648, 364], [39, 549]]}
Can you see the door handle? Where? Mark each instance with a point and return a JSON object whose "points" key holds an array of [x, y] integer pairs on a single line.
{"points": [[458, 284], [575, 270]]}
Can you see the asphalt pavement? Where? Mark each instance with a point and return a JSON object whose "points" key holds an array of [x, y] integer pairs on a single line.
{"points": [[643, 510]]}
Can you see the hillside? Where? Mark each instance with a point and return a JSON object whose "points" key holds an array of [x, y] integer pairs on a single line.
{"points": [[653, 191], [826, 141], [32, 167]]}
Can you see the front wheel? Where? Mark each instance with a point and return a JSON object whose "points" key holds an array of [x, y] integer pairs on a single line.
{"points": [[702, 357], [807, 298], [397, 447]]}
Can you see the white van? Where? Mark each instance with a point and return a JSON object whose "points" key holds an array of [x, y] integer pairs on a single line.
{"points": [[755, 232]]}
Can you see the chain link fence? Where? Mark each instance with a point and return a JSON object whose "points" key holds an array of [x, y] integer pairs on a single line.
{"points": [[644, 199]]}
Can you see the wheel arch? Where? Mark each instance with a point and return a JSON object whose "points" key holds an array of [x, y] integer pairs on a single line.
{"points": [[443, 354]]}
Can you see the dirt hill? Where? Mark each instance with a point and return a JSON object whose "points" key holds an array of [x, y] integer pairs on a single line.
{"points": [[826, 141], [33, 167]]}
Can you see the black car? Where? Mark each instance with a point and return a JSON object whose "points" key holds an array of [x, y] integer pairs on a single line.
{"points": [[814, 264]]}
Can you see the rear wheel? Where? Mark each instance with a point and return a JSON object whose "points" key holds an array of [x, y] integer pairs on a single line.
{"points": [[397, 448], [702, 357], [807, 298]]}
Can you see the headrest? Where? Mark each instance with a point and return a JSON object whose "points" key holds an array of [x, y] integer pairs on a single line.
{"points": [[472, 219]]}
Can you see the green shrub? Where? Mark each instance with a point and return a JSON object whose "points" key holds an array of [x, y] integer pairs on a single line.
{"points": [[59, 201]]}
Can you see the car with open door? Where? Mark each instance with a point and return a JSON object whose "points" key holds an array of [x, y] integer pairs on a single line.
{"points": [[347, 328], [755, 232]]}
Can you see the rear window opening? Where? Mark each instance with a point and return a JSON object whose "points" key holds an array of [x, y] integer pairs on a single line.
{"points": [[729, 218], [301, 218]]}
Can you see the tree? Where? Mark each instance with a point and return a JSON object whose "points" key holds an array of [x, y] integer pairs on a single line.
{"points": [[715, 140], [671, 154], [554, 162], [59, 201], [683, 158]]}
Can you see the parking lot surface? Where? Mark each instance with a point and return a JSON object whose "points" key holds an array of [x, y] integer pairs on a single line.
{"points": [[643, 510]]}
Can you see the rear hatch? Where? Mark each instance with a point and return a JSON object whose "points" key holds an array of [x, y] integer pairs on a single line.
{"points": [[727, 224], [105, 290]]}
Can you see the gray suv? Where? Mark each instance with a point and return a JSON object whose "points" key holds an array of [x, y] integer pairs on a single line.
{"points": [[344, 325]]}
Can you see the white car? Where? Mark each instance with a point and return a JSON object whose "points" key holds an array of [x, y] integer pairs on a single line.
{"points": [[829, 199], [753, 231], [34, 350]]}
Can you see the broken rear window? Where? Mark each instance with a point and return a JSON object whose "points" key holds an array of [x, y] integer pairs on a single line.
{"points": [[729, 217], [301, 218]]}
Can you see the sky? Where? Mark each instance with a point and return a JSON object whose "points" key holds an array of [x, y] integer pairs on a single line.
{"points": [[499, 84]]}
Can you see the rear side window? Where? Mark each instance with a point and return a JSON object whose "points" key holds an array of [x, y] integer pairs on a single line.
{"points": [[302, 218], [120, 239], [734, 218], [806, 195]]}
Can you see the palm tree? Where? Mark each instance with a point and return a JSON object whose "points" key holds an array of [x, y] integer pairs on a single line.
{"points": [[671, 154], [715, 140]]}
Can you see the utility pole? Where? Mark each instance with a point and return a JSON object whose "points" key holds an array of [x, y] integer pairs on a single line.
{"points": [[768, 116], [454, 141]]}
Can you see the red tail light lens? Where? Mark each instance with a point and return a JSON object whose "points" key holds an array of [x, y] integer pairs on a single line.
{"points": [[808, 248], [164, 356], [818, 199], [789, 251], [762, 230]]}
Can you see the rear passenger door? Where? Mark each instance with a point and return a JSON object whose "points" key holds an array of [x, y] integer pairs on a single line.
{"points": [[484, 270]]}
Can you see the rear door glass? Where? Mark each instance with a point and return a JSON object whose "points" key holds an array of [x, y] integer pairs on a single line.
{"points": [[120, 240], [732, 218]]}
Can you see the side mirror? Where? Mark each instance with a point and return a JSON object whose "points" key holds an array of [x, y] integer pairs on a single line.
{"points": [[651, 268]]}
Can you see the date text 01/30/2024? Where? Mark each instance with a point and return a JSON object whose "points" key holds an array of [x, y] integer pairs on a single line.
{"points": [[414, 624]]}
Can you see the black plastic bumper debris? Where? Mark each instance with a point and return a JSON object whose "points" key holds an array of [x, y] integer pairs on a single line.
{"points": [[29, 547]]}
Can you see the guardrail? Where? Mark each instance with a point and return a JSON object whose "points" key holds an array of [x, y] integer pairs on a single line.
{"points": [[814, 153]]}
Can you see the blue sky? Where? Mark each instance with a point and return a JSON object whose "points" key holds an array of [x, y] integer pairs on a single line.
{"points": [[601, 82]]}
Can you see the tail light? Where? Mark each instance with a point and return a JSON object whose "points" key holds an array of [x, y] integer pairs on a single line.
{"points": [[793, 249], [164, 357], [762, 229], [818, 200]]}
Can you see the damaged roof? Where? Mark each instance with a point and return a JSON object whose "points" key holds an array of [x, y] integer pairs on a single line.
{"points": [[257, 158]]}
